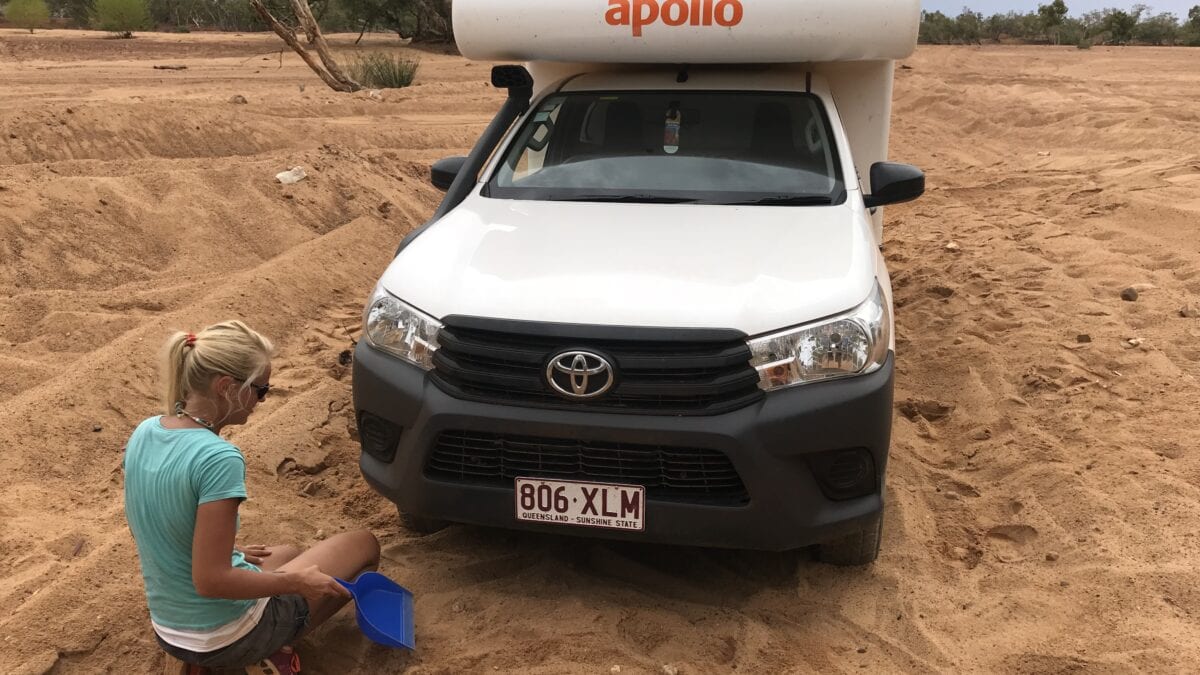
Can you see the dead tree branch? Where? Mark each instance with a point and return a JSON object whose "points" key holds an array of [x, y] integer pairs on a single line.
{"points": [[327, 69], [317, 40]]}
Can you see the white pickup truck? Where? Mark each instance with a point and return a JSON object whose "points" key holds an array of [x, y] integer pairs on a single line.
{"points": [[652, 305]]}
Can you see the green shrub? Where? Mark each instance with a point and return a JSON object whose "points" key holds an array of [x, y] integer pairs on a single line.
{"points": [[121, 17], [1084, 43], [383, 71], [27, 13]]}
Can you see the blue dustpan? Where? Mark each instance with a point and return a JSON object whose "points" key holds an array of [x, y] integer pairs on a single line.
{"points": [[384, 609]]}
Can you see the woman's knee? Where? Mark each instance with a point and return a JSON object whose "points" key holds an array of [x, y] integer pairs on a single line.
{"points": [[285, 552], [279, 555], [370, 544], [364, 545]]}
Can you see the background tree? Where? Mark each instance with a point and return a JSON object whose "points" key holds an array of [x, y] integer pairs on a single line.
{"points": [[1119, 25], [27, 13], [1052, 16], [235, 15], [936, 28], [1160, 29], [996, 27], [421, 20], [79, 12], [1073, 31], [1092, 22], [1190, 33], [122, 17], [969, 26], [1049, 23]]}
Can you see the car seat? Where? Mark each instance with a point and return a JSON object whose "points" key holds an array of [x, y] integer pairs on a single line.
{"points": [[623, 129], [773, 140]]}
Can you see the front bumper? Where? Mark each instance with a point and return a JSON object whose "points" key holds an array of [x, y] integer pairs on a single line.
{"points": [[769, 443]]}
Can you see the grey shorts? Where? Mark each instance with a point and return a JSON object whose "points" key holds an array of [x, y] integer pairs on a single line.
{"points": [[282, 622]]}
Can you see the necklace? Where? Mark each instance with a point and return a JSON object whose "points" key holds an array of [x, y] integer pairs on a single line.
{"points": [[180, 412]]}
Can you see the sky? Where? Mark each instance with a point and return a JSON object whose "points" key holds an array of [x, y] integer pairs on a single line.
{"points": [[988, 7]]}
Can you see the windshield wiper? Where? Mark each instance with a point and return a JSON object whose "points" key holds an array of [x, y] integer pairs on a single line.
{"points": [[785, 200], [626, 199]]}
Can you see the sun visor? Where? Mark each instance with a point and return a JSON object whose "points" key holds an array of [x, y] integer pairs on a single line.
{"points": [[686, 31]]}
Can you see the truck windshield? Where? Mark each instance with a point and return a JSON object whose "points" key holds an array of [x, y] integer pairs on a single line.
{"points": [[673, 147]]}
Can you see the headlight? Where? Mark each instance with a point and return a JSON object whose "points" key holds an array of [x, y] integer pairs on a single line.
{"points": [[401, 330], [854, 343]]}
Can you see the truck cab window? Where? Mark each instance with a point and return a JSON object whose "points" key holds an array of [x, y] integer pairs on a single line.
{"points": [[706, 147]]}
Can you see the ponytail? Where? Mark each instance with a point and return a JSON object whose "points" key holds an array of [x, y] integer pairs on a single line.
{"points": [[174, 365], [190, 361]]}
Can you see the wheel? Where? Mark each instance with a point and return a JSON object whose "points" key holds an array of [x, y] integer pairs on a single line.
{"points": [[856, 548], [420, 524]]}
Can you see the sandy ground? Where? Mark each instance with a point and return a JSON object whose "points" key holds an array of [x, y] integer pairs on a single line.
{"points": [[1044, 491]]}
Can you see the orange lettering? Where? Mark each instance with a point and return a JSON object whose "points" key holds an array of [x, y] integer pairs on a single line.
{"points": [[642, 13], [680, 10], [645, 18], [733, 19], [618, 13]]}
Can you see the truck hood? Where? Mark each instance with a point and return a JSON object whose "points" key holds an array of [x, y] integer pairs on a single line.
{"points": [[751, 268]]}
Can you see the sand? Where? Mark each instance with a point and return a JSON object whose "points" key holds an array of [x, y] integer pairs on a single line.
{"points": [[1043, 489]]}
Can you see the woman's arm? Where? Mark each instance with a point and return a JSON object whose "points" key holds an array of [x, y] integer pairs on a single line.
{"points": [[214, 576]]}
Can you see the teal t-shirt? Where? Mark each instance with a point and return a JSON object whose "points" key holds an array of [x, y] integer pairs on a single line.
{"points": [[168, 473]]}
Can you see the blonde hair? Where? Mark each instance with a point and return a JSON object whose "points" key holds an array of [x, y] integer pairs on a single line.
{"points": [[191, 361]]}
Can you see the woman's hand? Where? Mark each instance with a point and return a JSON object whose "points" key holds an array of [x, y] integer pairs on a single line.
{"points": [[254, 553], [315, 585]]}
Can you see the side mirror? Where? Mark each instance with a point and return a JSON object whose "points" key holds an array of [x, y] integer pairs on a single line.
{"points": [[444, 171], [893, 183]]}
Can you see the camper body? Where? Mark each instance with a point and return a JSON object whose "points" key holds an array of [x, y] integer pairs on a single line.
{"points": [[653, 304]]}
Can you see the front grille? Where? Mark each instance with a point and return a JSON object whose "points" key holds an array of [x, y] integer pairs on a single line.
{"points": [[657, 371], [691, 475]]}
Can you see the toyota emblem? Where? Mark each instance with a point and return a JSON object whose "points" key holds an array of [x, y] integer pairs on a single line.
{"points": [[579, 375]]}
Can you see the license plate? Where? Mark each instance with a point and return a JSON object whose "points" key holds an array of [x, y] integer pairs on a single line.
{"points": [[565, 502]]}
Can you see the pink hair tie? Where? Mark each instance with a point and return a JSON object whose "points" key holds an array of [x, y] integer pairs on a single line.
{"points": [[190, 341]]}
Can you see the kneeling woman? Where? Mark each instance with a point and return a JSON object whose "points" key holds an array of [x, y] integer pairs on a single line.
{"points": [[213, 604]]}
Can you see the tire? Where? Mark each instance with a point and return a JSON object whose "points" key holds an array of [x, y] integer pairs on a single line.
{"points": [[420, 525], [857, 548]]}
